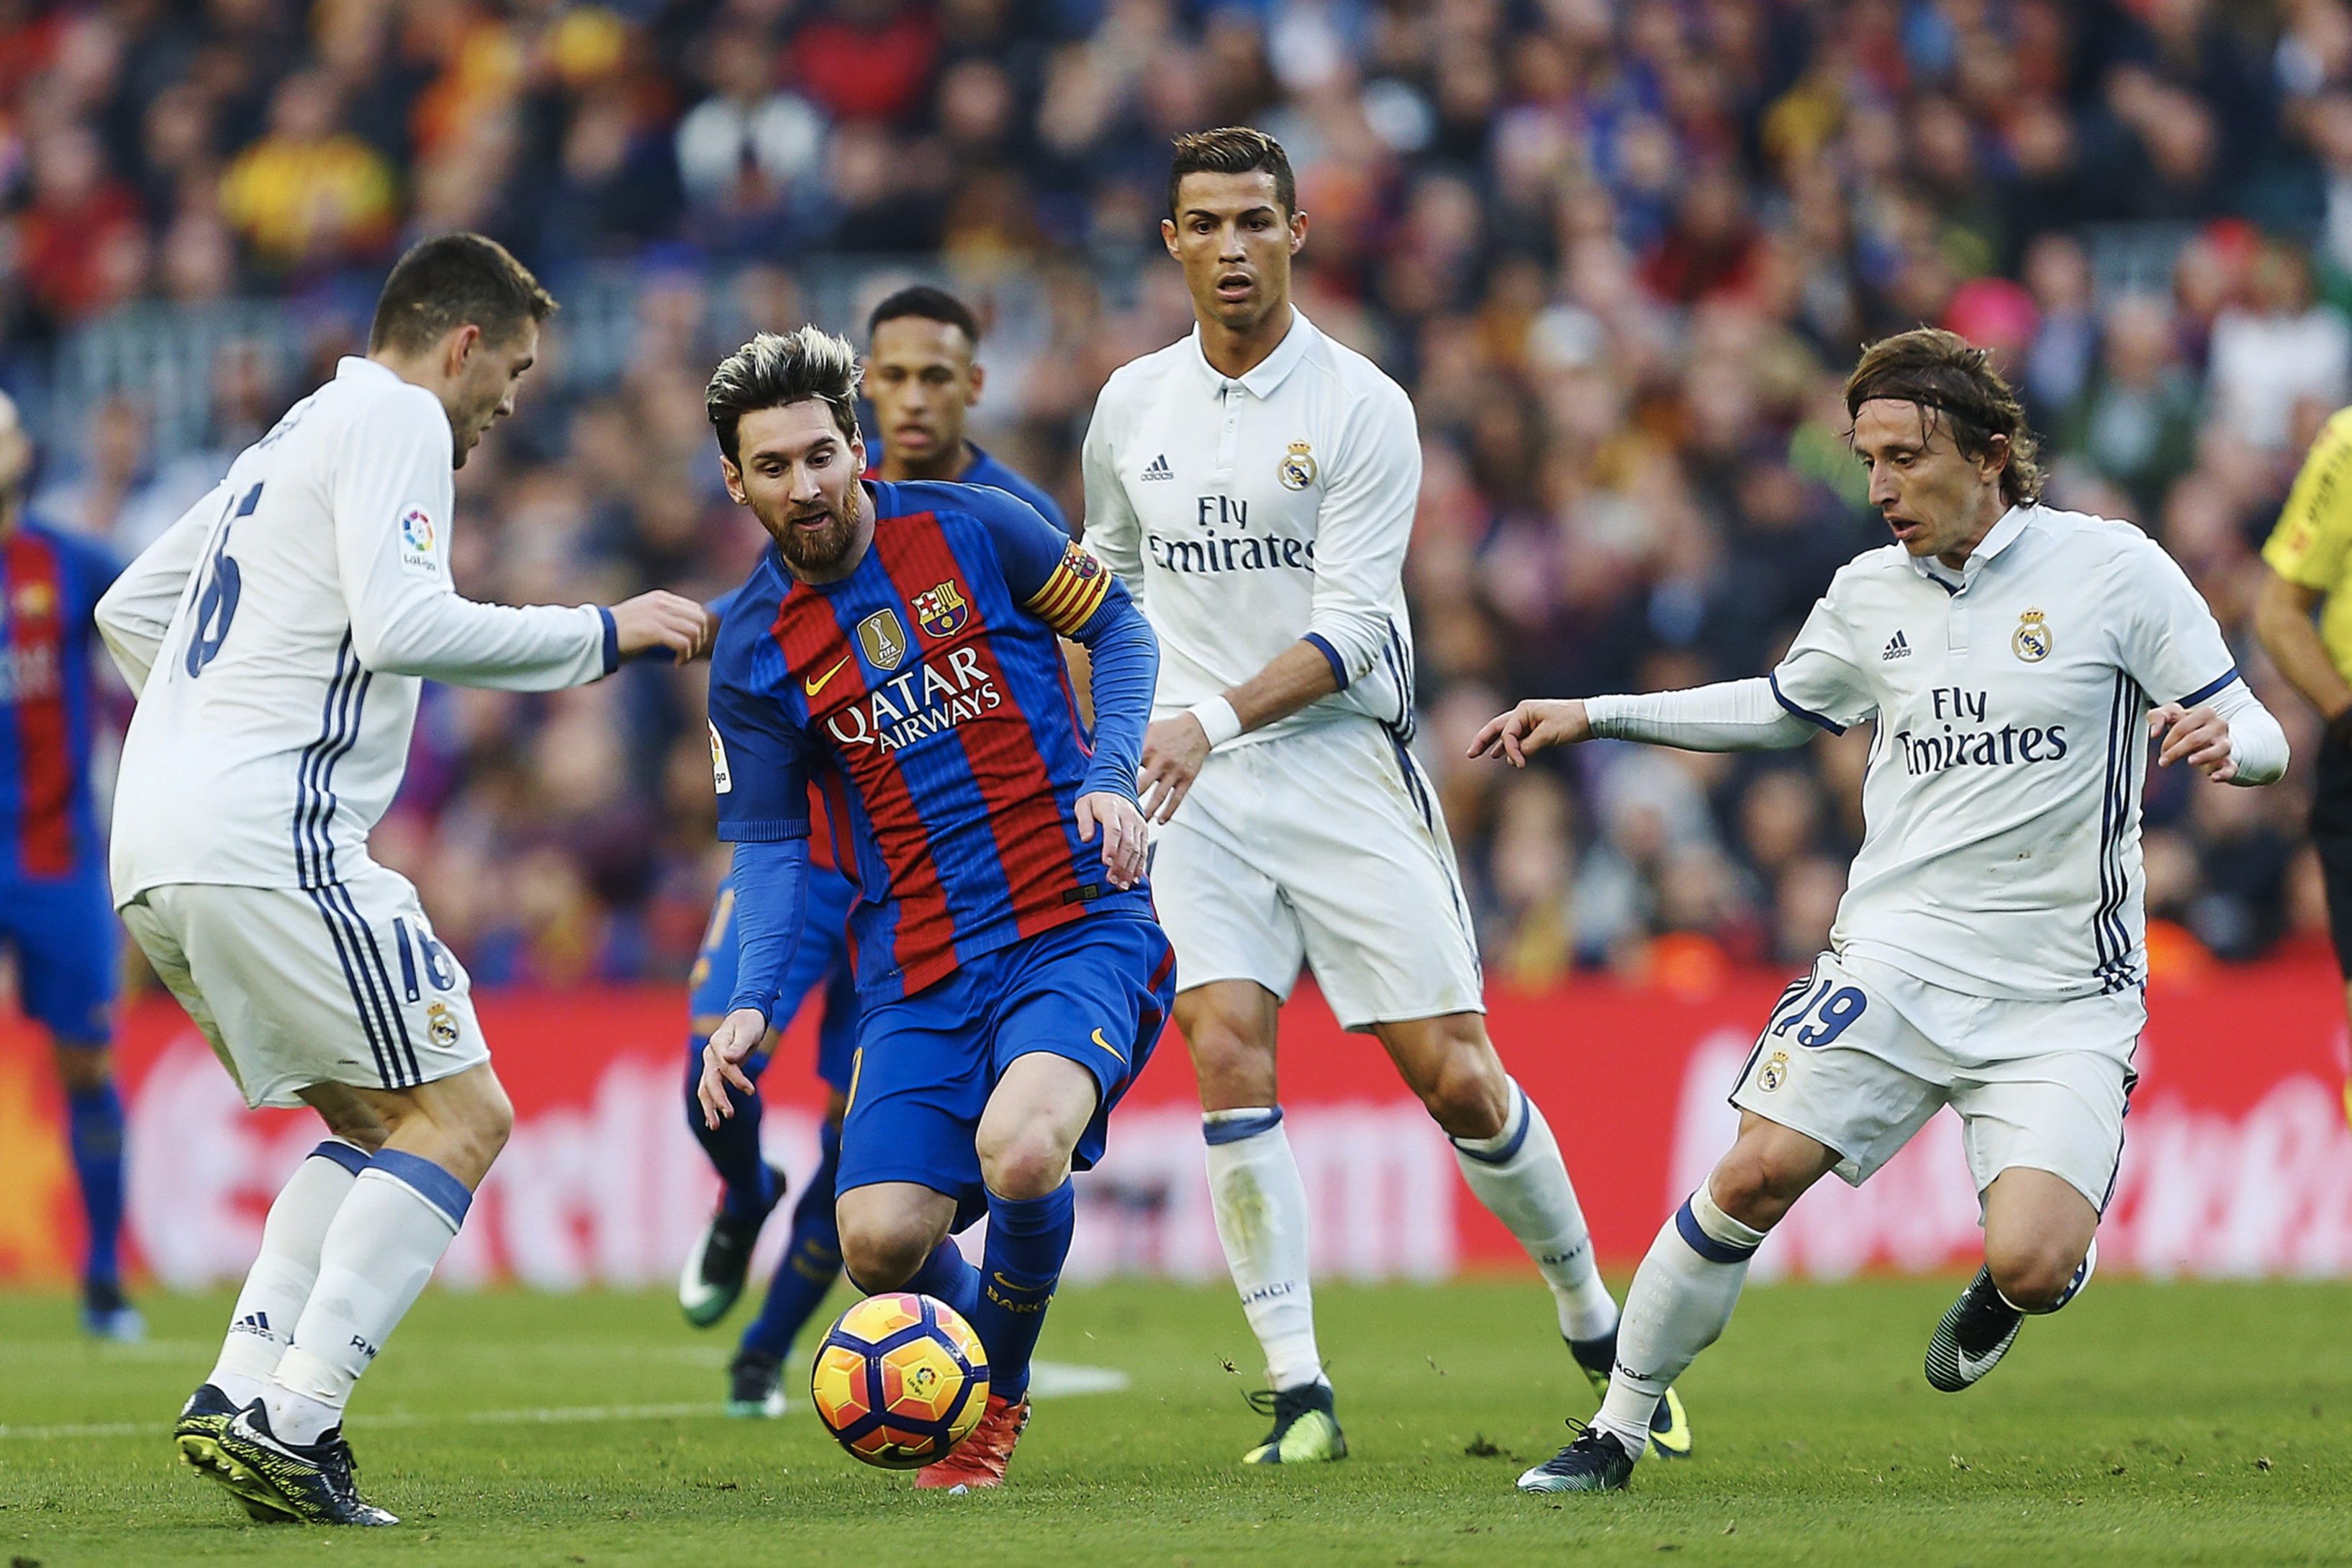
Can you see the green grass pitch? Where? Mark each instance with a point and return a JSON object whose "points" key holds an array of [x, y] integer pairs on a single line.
{"points": [[2208, 1424]]}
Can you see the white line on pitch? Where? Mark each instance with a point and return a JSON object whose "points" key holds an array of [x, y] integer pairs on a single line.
{"points": [[1048, 1380]]}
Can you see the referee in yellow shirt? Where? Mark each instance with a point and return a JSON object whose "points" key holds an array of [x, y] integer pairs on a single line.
{"points": [[2310, 558]]}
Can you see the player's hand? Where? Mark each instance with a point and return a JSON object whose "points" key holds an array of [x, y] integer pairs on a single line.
{"points": [[663, 619], [738, 1034], [1122, 835], [2197, 736], [1173, 750], [1531, 726]]}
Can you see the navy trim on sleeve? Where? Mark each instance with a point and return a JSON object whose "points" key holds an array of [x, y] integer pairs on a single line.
{"points": [[612, 640], [2211, 688], [1338, 669], [775, 832], [1805, 712]]}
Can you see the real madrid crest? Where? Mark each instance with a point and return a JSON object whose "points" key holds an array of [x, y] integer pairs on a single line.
{"points": [[884, 639], [1775, 1073], [1298, 467], [441, 1024], [2031, 641]]}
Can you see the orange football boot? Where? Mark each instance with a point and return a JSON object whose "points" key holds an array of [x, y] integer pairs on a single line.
{"points": [[980, 1459]]}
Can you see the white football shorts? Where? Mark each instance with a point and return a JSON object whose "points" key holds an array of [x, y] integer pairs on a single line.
{"points": [[1325, 848], [344, 984], [1858, 1055]]}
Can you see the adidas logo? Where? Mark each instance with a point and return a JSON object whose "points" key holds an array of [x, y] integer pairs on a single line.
{"points": [[1160, 469], [1896, 648]]}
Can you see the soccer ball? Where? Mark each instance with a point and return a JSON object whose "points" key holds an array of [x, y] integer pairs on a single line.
{"points": [[900, 1380]]}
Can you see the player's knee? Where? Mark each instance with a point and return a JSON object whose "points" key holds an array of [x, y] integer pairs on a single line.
{"points": [[2032, 1274], [1030, 1163], [1233, 1066], [1469, 1095], [1756, 1184], [882, 1253], [480, 1123]]}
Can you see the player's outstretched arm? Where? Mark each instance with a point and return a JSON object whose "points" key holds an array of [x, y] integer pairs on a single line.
{"points": [[392, 500], [770, 883], [1731, 715], [2231, 739], [1533, 726], [135, 613], [663, 619]]}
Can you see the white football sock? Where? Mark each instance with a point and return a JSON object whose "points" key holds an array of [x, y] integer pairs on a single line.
{"points": [[1681, 1298], [400, 1216], [1518, 1174], [1261, 1209], [280, 1281]]}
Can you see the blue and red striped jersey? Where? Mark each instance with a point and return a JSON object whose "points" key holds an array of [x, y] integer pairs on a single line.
{"points": [[926, 696], [49, 586]]}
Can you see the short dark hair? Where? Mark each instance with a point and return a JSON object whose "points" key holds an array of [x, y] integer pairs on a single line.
{"points": [[1232, 150], [450, 281], [1947, 376], [776, 369], [928, 304]]}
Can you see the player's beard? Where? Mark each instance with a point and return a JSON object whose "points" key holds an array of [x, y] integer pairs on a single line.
{"points": [[822, 550]]}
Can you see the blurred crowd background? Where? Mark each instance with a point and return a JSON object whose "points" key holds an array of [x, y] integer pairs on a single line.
{"points": [[1621, 251]]}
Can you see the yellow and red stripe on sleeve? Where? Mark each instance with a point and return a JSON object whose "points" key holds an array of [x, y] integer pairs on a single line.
{"points": [[1072, 591]]}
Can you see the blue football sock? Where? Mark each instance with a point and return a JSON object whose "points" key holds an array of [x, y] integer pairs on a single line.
{"points": [[733, 1146], [1027, 1240], [812, 1258], [946, 1277], [94, 1129]]}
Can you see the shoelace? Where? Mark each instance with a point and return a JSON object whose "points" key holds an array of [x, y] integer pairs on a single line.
{"points": [[1261, 1400]]}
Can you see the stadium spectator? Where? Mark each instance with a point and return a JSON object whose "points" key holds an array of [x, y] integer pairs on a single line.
{"points": [[1612, 251]]}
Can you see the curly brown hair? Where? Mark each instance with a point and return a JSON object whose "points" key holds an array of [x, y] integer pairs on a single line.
{"points": [[1951, 379]]}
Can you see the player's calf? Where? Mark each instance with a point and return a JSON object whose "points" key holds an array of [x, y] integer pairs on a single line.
{"points": [[1451, 1065]]}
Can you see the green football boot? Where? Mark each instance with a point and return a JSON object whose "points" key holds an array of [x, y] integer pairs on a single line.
{"points": [[314, 1483], [197, 1435], [1670, 1429], [1305, 1427]]}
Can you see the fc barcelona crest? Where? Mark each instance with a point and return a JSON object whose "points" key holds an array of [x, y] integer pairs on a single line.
{"points": [[942, 611], [884, 639]]}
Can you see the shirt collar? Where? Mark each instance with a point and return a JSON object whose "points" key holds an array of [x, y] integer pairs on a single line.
{"points": [[350, 367], [2004, 532], [1269, 373]]}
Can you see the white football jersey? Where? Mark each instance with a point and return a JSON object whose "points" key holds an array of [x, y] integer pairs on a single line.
{"points": [[277, 634], [1249, 514], [2001, 854]]}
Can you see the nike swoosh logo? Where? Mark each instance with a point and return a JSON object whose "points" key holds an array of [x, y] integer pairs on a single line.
{"points": [[1973, 1367], [1108, 1045], [816, 684]]}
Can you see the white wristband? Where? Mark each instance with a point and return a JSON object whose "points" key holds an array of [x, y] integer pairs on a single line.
{"points": [[1218, 718]]}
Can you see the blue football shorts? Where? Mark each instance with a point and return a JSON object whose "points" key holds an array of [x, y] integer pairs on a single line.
{"points": [[821, 959], [62, 931], [1094, 991]]}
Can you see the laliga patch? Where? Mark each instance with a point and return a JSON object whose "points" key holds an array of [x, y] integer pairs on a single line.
{"points": [[441, 1024], [416, 540], [722, 780]]}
